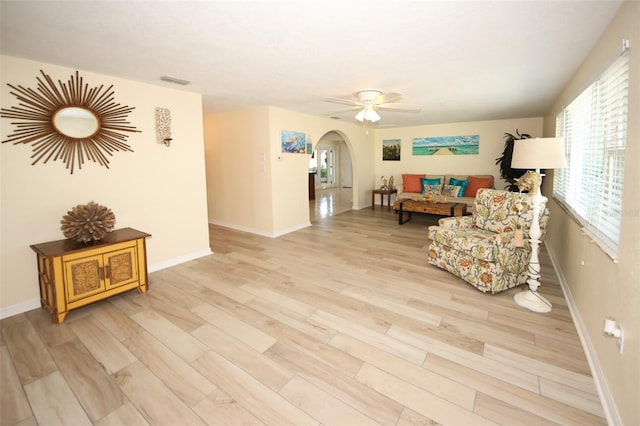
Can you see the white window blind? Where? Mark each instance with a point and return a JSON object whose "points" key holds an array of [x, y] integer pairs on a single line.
{"points": [[594, 128]]}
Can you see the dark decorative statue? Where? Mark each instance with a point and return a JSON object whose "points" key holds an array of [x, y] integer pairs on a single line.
{"points": [[86, 223], [506, 172]]}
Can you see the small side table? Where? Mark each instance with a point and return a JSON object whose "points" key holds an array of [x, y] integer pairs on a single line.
{"points": [[382, 192]]}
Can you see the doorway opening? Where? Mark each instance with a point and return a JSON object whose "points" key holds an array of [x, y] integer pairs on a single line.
{"points": [[331, 168], [327, 159]]}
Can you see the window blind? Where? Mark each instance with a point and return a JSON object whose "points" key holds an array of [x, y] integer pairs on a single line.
{"points": [[594, 128]]}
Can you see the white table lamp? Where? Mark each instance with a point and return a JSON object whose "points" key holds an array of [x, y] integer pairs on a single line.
{"points": [[537, 154]]}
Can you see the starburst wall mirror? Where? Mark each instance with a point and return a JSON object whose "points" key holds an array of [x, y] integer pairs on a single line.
{"points": [[69, 122]]}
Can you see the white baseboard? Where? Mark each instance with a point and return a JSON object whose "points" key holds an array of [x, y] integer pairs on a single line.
{"points": [[258, 231], [290, 230], [29, 305], [608, 404], [19, 308], [178, 260]]}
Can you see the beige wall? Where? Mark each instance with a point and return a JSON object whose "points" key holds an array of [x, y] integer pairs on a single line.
{"points": [[491, 146], [155, 189], [270, 196], [598, 286], [238, 169], [253, 186]]}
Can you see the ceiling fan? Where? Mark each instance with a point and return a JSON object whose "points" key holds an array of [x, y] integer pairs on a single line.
{"points": [[370, 100]]}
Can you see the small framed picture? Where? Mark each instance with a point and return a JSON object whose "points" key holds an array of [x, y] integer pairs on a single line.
{"points": [[293, 142], [391, 150]]}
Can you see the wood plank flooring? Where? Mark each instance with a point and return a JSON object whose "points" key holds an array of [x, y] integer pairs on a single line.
{"points": [[341, 323]]}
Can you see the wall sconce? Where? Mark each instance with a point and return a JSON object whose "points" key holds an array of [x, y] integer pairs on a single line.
{"points": [[163, 126]]}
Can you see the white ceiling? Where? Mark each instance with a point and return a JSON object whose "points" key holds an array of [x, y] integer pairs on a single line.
{"points": [[459, 60]]}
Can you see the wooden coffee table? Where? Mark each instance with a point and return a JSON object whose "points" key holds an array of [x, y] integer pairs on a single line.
{"points": [[409, 206]]}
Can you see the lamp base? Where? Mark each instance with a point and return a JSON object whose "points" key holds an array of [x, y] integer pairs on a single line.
{"points": [[533, 301]]}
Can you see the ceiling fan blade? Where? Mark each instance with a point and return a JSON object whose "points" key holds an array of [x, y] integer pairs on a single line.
{"points": [[387, 97], [400, 107], [378, 125], [342, 111], [343, 101]]}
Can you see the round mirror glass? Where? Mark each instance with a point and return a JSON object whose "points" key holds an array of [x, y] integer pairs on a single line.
{"points": [[76, 122]]}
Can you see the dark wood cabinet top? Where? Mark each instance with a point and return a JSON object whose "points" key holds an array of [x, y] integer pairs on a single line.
{"points": [[66, 246]]}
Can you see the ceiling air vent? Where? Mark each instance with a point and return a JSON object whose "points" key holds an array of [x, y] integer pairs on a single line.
{"points": [[175, 80]]}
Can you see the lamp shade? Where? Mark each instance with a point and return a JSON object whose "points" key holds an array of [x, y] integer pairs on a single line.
{"points": [[538, 153], [367, 113], [371, 115]]}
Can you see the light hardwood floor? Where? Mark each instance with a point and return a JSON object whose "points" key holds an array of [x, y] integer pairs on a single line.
{"points": [[330, 201], [340, 323]]}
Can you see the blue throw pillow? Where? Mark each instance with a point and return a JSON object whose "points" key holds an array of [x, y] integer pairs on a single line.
{"points": [[461, 183], [428, 181]]}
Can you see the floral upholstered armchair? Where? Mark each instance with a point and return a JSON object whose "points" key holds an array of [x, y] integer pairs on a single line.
{"points": [[484, 249]]}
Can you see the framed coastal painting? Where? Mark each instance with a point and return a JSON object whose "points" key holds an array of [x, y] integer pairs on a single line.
{"points": [[293, 142], [391, 150], [446, 145]]}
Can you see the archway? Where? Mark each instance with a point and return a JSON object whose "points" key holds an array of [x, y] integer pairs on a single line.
{"points": [[330, 176]]}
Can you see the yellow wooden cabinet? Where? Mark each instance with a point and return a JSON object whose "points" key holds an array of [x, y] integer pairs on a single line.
{"points": [[73, 274]]}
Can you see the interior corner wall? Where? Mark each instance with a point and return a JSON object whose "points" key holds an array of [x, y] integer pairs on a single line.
{"points": [[156, 189], [238, 159], [598, 286], [255, 187], [291, 173], [491, 135]]}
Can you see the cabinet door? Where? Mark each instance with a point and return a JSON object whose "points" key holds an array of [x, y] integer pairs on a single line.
{"points": [[84, 277], [121, 267]]}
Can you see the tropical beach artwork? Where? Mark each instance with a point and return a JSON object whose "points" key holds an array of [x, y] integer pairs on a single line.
{"points": [[293, 142], [446, 145], [391, 150]]}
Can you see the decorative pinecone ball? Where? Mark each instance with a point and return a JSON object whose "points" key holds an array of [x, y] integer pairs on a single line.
{"points": [[87, 222]]}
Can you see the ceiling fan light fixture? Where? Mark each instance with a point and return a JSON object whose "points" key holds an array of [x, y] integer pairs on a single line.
{"points": [[368, 96], [371, 115], [368, 101], [368, 114]]}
